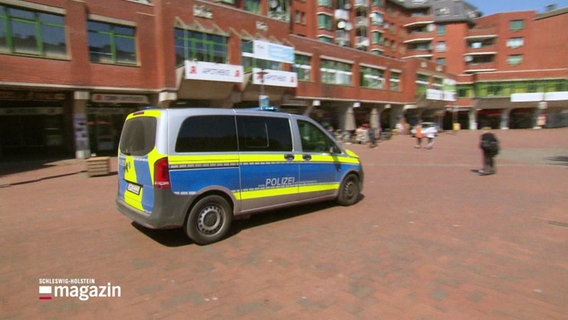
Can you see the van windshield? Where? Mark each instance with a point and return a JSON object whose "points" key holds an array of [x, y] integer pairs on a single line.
{"points": [[138, 136]]}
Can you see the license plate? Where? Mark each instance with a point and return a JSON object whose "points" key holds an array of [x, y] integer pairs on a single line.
{"points": [[134, 188]]}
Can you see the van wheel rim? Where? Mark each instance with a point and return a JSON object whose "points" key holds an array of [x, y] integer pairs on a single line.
{"points": [[349, 189], [210, 220]]}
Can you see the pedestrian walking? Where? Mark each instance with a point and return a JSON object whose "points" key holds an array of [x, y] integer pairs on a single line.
{"points": [[490, 147], [418, 134], [372, 137], [430, 134]]}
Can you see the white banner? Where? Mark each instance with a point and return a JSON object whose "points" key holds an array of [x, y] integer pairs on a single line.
{"points": [[273, 52], [200, 70], [275, 78]]}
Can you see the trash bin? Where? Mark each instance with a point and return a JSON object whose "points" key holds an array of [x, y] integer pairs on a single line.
{"points": [[98, 166]]}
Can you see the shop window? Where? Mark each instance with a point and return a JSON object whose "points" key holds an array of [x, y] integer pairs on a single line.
{"points": [[372, 78], [199, 46], [112, 43], [302, 66], [34, 33], [335, 72]]}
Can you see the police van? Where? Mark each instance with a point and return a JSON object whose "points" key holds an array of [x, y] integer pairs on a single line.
{"points": [[199, 168]]}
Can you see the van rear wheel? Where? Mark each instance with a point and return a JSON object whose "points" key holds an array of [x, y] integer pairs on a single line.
{"points": [[209, 220], [349, 190]]}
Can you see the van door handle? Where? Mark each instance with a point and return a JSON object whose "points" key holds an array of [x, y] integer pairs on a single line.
{"points": [[289, 157], [307, 157]]}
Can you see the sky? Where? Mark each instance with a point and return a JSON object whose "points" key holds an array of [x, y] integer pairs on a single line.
{"points": [[488, 7]]}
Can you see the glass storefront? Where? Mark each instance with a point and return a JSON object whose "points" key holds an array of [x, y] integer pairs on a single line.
{"points": [[31, 131]]}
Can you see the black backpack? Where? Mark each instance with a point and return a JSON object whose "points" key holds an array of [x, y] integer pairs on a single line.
{"points": [[489, 143]]}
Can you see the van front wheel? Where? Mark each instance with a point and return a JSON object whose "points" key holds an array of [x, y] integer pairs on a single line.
{"points": [[209, 220], [349, 190]]}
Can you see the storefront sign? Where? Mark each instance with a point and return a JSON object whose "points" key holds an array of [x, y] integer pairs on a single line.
{"points": [[119, 98], [273, 52], [276, 78], [200, 70]]}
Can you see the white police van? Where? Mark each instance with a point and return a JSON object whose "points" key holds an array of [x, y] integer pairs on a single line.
{"points": [[198, 168]]}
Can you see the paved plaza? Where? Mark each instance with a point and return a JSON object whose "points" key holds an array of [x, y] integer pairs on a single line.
{"points": [[430, 239]]}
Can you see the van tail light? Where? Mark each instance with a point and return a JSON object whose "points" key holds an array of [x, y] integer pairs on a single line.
{"points": [[162, 174]]}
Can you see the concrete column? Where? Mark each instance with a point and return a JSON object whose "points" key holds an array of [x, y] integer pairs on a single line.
{"points": [[397, 112], [165, 98], [80, 127], [348, 119], [505, 119], [473, 119], [536, 120], [375, 117]]}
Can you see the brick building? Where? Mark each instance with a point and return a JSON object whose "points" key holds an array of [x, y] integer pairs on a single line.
{"points": [[71, 70]]}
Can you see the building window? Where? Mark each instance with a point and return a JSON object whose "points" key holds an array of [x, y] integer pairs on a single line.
{"points": [[377, 37], [441, 46], [377, 18], [324, 21], [422, 83], [378, 3], [335, 72], [441, 61], [515, 42], [372, 78], [112, 43], [516, 25], [199, 46], [394, 81], [464, 91], [34, 33], [303, 67], [441, 30], [324, 3], [249, 61], [515, 59], [252, 6]]}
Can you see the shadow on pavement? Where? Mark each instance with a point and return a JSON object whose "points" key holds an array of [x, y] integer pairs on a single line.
{"points": [[177, 237], [559, 160]]}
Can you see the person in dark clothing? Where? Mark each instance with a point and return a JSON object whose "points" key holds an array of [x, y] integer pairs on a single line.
{"points": [[490, 147]]}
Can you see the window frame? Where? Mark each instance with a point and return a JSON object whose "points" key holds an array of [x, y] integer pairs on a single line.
{"points": [[38, 21], [113, 33]]}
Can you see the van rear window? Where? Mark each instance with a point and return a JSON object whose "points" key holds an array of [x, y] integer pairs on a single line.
{"points": [[207, 134], [138, 136]]}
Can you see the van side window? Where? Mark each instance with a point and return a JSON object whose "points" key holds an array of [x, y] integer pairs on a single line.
{"points": [[264, 134], [138, 136], [207, 134], [315, 140]]}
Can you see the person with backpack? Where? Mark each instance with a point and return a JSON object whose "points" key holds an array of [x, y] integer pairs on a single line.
{"points": [[490, 147]]}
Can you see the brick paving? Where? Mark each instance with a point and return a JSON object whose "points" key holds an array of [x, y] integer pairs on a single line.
{"points": [[430, 240]]}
